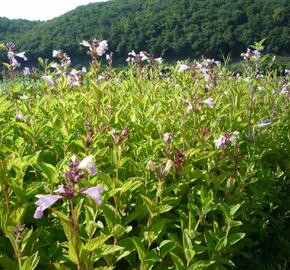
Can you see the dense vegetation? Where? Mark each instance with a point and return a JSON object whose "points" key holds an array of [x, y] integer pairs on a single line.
{"points": [[178, 29], [192, 166], [10, 28]]}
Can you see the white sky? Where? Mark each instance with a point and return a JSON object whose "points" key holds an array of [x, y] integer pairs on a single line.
{"points": [[38, 9]]}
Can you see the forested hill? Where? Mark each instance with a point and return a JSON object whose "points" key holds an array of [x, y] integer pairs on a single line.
{"points": [[168, 28], [10, 28]]}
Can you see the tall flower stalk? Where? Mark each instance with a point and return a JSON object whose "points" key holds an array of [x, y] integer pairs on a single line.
{"points": [[69, 191]]}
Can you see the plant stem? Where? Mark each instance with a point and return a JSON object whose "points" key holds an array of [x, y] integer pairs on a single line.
{"points": [[75, 233], [250, 132], [6, 195], [19, 262], [116, 201]]}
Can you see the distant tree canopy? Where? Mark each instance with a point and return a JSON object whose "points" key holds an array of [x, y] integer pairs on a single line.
{"points": [[171, 28]]}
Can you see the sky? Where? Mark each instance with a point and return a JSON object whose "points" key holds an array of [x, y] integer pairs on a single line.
{"points": [[38, 9]]}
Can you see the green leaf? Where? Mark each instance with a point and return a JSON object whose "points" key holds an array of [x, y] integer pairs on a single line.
{"points": [[3, 173], [235, 237], [66, 224], [200, 265], [222, 243], [156, 230], [31, 262], [72, 254], [77, 209], [140, 248], [109, 249], [235, 208], [164, 208], [96, 242], [110, 214], [177, 262], [132, 184], [165, 247], [118, 230], [150, 205], [7, 263]]}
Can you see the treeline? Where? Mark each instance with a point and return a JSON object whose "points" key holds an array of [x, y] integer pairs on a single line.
{"points": [[9, 29], [171, 28]]}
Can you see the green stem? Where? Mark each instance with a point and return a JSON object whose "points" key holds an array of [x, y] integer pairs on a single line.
{"points": [[19, 262], [250, 132], [6, 195], [116, 201], [75, 233]]}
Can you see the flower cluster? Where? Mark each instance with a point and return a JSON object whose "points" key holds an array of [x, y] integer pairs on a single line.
{"points": [[48, 79], [182, 67], [20, 117], [73, 176], [162, 170], [207, 69], [65, 60], [142, 56], [12, 56], [168, 137], [96, 48], [209, 102], [264, 123], [19, 232], [225, 139], [120, 137], [251, 55], [74, 77]]}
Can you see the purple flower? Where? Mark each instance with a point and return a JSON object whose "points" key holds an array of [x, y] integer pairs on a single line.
{"points": [[143, 56], [48, 80], [94, 193], [19, 117], [256, 53], [168, 137], [102, 48], [73, 176], [264, 123], [159, 60], [182, 68], [26, 71], [209, 102], [45, 201], [88, 164], [220, 142], [223, 140]]}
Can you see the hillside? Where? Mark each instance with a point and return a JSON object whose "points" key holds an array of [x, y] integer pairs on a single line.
{"points": [[10, 28], [183, 28]]}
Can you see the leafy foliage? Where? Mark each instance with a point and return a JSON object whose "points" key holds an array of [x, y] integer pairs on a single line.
{"points": [[194, 164], [172, 29]]}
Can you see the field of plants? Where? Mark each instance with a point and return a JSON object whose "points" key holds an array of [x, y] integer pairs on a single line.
{"points": [[149, 167]]}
